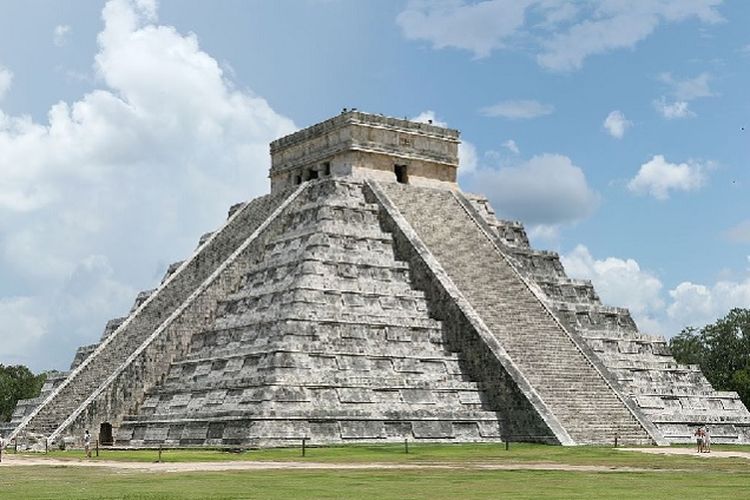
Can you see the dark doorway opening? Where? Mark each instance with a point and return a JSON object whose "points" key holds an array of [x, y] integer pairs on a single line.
{"points": [[313, 174], [105, 434], [401, 175]]}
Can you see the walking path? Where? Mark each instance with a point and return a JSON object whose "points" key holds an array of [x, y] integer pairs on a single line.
{"points": [[25, 461], [166, 467], [691, 452]]}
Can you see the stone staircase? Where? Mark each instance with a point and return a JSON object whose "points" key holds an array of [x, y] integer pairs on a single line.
{"points": [[587, 405], [675, 398], [325, 338], [54, 379], [68, 400]]}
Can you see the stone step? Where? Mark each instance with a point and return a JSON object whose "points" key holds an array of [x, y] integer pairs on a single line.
{"points": [[301, 410], [325, 286], [366, 320], [379, 384], [513, 313]]}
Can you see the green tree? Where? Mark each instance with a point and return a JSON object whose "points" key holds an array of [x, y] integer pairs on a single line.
{"points": [[17, 382], [722, 350], [687, 347]]}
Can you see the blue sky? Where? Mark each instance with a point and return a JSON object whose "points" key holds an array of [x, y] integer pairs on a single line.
{"points": [[617, 131]]}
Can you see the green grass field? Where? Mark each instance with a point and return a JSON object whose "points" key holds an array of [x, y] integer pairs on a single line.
{"points": [[666, 477]]}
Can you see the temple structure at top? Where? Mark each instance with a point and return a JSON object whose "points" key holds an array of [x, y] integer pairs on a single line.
{"points": [[359, 145]]}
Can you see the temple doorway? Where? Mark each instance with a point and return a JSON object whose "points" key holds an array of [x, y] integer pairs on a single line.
{"points": [[401, 174], [105, 434]]}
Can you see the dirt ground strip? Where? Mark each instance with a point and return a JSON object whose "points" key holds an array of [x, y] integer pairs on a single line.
{"points": [[26, 460], [23, 461], [691, 452]]}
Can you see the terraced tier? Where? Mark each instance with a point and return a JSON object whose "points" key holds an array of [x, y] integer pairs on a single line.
{"points": [[325, 338], [676, 398], [587, 406]]}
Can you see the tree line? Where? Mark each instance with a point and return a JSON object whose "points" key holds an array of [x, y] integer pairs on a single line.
{"points": [[722, 350], [17, 382]]}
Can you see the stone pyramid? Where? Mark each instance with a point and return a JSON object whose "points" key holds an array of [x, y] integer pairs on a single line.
{"points": [[367, 299]]}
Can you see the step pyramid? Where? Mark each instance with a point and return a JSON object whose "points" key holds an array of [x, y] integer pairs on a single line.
{"points": [[367, 299], [324, 337]]}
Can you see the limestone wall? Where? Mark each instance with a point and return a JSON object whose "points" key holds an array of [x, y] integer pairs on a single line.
{"points": [[361, 144]]}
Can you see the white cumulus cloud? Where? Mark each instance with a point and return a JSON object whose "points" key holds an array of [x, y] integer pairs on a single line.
{"points": [[99, 199], [547, 189], [511, 146], [478, 27], [616, 124], [624, 283], [682, 91], [619, 282], [561, 34], [6, 79], [689, 88], [467, 158], [430, 117], [60, 34], [673, 110], [698, 305], [22, 328], [544, 233], [519, 109], [615, 24], [657, 177]]}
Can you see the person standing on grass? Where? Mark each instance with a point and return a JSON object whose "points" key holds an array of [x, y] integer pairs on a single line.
{"points": [[87, 443], [706, 441], [699, 439]]}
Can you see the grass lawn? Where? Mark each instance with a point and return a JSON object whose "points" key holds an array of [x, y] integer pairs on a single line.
{"points": [[72, 482], [668, 477]]}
